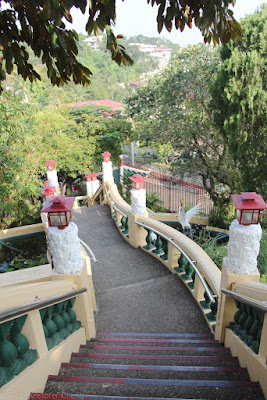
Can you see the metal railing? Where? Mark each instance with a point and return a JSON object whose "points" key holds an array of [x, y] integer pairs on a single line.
{"points": [[192, 263], [38, 303], [89, 250], [258, 305]]}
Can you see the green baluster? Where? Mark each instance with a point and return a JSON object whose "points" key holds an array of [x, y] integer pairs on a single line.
{"points": [[3, 376], [255, 345], [181, 262], [126, 227], [236, 316], [191, 285], [67, 317], [255, 326], [158, 244], [212, 316], [123, 220], [165, 248], [73, 318], [149, 241], [244, 334], [206, 303], [188, 272], [59, 321], [26, 355], [8, 352], [241, 320]]}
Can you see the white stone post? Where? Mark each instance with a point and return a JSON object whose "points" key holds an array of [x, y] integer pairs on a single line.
{"points": [[89, 188], [138, 201], [94, 186], [107, 171], [65, 248], [243, 248], [121, 170]]}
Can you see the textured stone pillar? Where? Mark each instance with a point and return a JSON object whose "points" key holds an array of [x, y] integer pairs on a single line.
{"points": [[107, 171], [243, 248], [65, 249], [138, 201], [94, 186], [52, 178], [89, 188]]}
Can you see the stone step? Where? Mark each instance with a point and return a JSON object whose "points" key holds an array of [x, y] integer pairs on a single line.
{"points": [[209, 389], [154, 371], [162, 359], [156, 349], [59, 396]]}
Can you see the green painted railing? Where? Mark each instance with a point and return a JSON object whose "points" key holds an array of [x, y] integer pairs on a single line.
{"points": [[59, 321], [248, 320], [15, 354]]}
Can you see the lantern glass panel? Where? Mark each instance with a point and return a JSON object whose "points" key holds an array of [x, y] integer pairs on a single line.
{"points": [[138, 185], [68, 217], [255, 218], [55, 219], [238, 215], [247, 217]]}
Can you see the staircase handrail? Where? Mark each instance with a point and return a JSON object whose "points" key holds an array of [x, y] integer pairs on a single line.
{"points": [[14, 312], [192, 262], [258, 305], [89, 250]]}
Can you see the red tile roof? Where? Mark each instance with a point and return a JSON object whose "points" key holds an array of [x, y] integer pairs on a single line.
{"points": [[105, 103]]}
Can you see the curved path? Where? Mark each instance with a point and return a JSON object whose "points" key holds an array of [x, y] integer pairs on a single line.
{"points": [[134, 291]]}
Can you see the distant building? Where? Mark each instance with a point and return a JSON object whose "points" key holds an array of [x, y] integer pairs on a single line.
{"points": [[94, 41], [163, 54], [112, 106]]}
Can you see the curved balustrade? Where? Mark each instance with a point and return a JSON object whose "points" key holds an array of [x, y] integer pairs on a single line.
{"points": [[176, 251]]}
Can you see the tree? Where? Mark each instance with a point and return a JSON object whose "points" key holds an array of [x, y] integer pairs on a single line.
{"points": [[240, 101], [172, 115], [40, 26]]}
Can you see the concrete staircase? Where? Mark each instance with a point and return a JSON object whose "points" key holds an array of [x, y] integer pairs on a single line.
{"points": [[146, 366]]}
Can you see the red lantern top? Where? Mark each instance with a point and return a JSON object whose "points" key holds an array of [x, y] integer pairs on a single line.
{"points": [[50, 165], [88, 177], [48, 192], [248, 207], [94, 176], [121, 161], [138, 181], [106, 155], [59, 211]]}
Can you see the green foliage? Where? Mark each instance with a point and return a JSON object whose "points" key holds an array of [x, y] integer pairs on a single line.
{"points": [[262, 258], [40, 26], [240, 101], [172, 115], [208, 242], [154, 202]]}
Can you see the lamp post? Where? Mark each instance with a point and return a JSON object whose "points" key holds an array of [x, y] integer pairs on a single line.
{"points": [[245, 234], [48, 192], [107, 167], [138, 194], [89, 184], [52, 174], [63, 235]]}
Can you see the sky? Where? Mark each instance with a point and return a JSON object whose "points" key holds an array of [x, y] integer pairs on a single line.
{"points": [[137, 17]]}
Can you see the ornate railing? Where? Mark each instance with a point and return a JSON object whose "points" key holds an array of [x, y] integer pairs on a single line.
{"points": [[58, 319]]}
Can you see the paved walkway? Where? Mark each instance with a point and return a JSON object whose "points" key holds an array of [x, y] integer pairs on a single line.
{"points": [[134, 291]]}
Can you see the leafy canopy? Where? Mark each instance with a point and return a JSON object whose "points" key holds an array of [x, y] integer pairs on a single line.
{"points": [[40, 26]]}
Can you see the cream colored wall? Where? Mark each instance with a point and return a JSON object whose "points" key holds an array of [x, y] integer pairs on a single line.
{"points": [[21, 230]]}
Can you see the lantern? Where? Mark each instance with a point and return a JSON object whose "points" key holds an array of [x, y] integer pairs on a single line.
{"points": [[50, 165], [248, 207], [94, 176], [88, 177], [106, 155], [48, 192], [138, 181], [59, 211]]}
